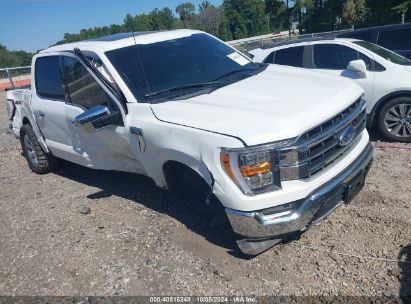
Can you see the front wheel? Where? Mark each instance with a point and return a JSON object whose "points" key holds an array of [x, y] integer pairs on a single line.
{"points": [[38, 161], [394, 119]]}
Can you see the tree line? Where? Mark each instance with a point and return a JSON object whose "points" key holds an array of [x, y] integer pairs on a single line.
{"points": [[236, 19], [13, 58]]}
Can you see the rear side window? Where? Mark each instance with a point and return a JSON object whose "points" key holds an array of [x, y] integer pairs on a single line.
{"points": [[81, 88], [48, 78], [395, 39], [291, 56], [336, 57]]}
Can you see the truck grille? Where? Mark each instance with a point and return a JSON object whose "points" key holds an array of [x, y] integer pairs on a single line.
{"points": [[322, 146]]}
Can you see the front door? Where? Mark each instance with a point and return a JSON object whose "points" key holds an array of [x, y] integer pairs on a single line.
{"points": [[107, 146]]}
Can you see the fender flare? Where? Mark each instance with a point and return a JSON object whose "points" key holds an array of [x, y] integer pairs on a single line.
{"points": [[26, 117]]}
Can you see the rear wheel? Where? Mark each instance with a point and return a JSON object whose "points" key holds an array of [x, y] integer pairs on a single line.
{"points": [[38, 161], [394, 119]]}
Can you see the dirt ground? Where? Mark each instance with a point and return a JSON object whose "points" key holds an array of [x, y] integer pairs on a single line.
{"points": [[140, 240]]}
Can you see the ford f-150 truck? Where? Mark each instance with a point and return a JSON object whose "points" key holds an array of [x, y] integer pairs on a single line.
{"points": [[278, 147]]}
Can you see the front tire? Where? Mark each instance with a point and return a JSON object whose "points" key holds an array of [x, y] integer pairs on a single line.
{"points": [[394, 119], [38, 161]]}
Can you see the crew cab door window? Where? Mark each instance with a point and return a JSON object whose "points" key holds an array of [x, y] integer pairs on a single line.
{"points": [[81, 87], [336, 56], [292, 56], [48, 78]]}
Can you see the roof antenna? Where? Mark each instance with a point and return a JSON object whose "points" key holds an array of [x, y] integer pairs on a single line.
{"points": [[139, 58], [133, 32]]}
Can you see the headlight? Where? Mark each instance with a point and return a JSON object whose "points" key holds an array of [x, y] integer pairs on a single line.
{"points": [[254, 169]]}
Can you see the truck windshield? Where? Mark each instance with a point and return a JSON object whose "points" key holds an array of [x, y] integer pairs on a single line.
{"points": [[384, 53], [170, 69]]}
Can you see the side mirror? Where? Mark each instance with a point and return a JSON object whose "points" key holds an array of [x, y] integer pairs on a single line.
{"points": [[94, 114], [359, 67]]}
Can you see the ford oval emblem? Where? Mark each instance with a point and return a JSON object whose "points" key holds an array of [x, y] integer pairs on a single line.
{"points": [[347, 136]]}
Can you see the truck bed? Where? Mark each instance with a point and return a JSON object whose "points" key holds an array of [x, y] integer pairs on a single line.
{"points": [[16, 101]]}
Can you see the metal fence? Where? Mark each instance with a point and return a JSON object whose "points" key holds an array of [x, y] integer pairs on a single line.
{"points": [[12, 78]]}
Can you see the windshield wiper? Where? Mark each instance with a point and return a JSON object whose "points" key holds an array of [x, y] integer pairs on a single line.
{"points": [[232, 73], [183, 87]]}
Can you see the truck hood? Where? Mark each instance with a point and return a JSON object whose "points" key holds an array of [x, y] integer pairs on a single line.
{"points": [[278, 103]]}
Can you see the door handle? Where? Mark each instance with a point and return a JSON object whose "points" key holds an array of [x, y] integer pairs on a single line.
{"points": [[139, 134]]}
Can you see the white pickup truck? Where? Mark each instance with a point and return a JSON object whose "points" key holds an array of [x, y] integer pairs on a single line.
{"points": [[278, 147]]}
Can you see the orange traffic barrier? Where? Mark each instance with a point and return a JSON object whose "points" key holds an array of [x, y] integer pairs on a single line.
{"points": [[17, 84]]}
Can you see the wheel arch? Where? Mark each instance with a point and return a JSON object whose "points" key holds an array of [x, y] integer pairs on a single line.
{"points": [[24, 121], [380, 103], [27, 121], [177, 170]]}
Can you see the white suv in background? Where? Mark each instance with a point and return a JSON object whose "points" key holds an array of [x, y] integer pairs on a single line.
{"points": [[384, 75]]}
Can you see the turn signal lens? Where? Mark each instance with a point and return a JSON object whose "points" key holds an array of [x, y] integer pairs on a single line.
{"points": [[261, 168], [226, 163]]}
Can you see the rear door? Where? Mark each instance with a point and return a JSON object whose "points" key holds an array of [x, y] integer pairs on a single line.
{"points": [[48, 103]]}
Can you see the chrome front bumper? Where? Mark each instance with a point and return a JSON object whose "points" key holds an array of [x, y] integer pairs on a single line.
{"points": [[282, 220]]}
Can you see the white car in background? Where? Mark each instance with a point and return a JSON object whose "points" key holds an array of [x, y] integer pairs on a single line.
{"points": [[384, 75]]}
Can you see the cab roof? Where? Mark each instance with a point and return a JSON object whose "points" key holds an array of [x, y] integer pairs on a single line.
{"points": [[123, 40]]}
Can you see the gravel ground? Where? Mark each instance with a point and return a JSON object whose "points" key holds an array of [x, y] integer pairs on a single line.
{"points": [[140, 240]]}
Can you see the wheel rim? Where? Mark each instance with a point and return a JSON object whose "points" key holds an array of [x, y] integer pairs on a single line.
{"points": [[397, 120], [31, 154]]}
